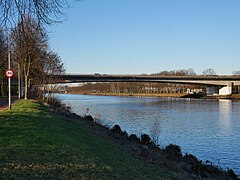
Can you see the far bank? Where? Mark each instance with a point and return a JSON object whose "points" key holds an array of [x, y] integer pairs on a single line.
{"points": [[173, 95]]}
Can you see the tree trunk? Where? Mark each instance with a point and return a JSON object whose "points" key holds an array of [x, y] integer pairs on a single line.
{"points": [[26, 87], [26, 69]]}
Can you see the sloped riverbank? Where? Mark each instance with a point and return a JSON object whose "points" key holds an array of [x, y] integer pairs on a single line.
{"points": [[44, 142], [186, 165]]}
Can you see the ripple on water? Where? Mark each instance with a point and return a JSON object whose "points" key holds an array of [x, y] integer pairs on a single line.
{"points": [[205, 128]]}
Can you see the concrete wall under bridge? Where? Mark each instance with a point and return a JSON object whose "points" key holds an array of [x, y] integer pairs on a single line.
{"points": [[226, 90]]}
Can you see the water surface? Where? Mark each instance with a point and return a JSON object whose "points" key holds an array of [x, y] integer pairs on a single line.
{"points": [[208, 129]]}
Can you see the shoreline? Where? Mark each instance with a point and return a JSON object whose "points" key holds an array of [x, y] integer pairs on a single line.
{"points": [[134, 94], [169, 159], [167, 95], [145, 149]]}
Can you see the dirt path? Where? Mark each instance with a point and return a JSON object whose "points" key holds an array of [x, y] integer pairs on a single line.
{"points": [[4, 102]]}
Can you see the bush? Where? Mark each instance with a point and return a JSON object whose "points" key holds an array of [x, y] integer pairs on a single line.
{"points": [[232, 174], [116, 129], [145, 139], [197, 166], [173, 151], [54, 102], [89, 118], [133, 138], [57, 105]]}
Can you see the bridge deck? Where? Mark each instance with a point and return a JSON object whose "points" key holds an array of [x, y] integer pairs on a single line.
{"points": [[206, 80]]}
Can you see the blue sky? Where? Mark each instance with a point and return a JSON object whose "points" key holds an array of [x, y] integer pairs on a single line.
{"points": [[149, 36]]}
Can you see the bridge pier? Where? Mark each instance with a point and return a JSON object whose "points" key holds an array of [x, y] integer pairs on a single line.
{"points": [[227, 90]]}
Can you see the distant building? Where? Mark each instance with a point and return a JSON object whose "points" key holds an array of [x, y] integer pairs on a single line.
{"points": [[194, 91]]}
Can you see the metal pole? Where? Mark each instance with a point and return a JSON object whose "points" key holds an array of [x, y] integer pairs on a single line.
{"points": [[9, 79], [19, 81]]}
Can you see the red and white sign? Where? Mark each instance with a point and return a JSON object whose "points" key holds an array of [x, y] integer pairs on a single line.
{"points": [[9, 73]]}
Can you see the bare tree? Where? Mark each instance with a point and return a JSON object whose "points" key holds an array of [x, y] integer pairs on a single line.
{"points": [[44, 11], [190, 72], [52, 66], [155, 132], [236, 73], [31, 53], [180, 72], [209, 72], [29, 43]]}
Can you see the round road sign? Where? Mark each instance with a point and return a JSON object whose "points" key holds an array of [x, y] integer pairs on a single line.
{"points": [[9, 73]]}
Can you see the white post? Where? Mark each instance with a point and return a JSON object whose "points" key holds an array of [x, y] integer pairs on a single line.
{"points": [[19, 82], [9, 79]]}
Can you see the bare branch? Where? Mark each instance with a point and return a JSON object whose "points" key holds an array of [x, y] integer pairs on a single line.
{"points": [[45, 11]]}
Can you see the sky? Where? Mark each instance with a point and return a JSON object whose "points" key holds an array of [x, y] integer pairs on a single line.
{"points": [[149, 36]]}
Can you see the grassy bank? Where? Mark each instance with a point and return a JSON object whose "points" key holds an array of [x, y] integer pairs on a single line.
{"points": [[38, 144]]}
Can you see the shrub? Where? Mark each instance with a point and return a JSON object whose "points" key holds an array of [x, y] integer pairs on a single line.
{"points": [[89, 118], [54, 102], [232, 174], [116, 129], [145, 139], [133, 138], [57, 104], [173, 151], [197, 166]]}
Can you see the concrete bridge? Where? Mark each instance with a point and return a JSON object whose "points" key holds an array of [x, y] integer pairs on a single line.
{"points": [[222, 84]]}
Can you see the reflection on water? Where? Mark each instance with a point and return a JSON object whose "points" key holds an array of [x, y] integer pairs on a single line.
{"points": [[208, 129], [225, 110]]}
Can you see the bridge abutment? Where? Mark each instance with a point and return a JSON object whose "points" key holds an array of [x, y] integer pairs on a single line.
{"points": [[227, 90]]}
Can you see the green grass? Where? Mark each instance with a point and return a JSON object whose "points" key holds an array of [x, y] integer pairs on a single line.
{"points": [[37, 144]]}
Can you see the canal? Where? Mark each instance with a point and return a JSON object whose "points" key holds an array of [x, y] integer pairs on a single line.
{"points": [[208, 129]]}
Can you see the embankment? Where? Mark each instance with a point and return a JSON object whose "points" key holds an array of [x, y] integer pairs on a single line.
{"points": [[38, 141]]}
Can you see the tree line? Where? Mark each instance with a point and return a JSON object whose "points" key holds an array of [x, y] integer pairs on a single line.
{"points": [[191, 72], [31, 57], [186, 72], [133, 88], [23, 37]]}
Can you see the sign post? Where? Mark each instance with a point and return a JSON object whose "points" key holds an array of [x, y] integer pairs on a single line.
{"points": [[9, 73]]}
